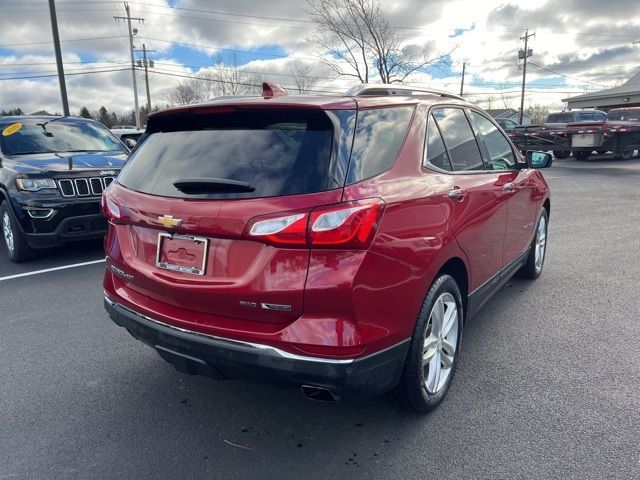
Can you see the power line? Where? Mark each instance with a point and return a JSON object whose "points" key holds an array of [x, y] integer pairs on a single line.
{"points": [[209, 47], [566, 76], [66, 74], [9, 45]]}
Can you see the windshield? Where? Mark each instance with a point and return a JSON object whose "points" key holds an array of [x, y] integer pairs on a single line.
{"points": [[56, 135]]}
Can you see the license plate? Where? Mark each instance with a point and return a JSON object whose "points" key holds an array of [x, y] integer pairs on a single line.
{"points": [[585, 140], [182, 253]]}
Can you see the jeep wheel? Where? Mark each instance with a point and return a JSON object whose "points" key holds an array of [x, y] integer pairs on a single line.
{"points": [[433, 354], [18, 250]]}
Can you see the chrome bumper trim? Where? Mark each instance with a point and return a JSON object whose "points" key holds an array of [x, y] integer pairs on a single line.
{"points": [[238, 343]]}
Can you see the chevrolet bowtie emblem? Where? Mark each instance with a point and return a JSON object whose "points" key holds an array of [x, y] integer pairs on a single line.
{"points": [[168, 221]]}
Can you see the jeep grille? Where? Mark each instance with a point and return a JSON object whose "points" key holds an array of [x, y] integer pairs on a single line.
{"points": [[83, 187]]}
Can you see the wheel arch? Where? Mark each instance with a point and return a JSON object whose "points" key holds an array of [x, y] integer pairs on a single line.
{"points": [[457, 268]]}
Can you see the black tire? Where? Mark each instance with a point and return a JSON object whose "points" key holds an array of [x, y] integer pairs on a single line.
{"points": [[626, 154], [19, 251], [601, 152], [581, 155], [561, 154], [530, 269], [412, 393]]}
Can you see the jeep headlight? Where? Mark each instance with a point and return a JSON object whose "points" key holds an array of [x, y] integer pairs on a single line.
{"points": [[35, 184]]}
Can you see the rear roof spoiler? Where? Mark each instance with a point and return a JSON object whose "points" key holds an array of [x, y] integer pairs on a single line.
{"points": [[383, 90]]}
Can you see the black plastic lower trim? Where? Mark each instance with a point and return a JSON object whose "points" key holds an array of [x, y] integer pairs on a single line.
{"points": [[484, 292], [70, 229], [221, 358]]}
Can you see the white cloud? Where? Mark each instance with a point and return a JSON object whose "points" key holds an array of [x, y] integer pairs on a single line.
{"points": [[584, 39]]}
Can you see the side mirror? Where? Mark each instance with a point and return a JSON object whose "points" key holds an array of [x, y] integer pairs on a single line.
{"points": [[130, 142], [539, 159]]}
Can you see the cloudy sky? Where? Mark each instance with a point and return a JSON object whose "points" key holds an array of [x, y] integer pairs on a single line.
{"points": [[580, 45]]}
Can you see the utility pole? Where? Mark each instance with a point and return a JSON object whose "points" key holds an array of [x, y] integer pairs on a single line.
{"points": [[56, 46], [523, 55], [144, 63], [464, 64], [132, 32]]}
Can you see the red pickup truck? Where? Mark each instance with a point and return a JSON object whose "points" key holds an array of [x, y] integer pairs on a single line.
{"points": [[618, 133]]}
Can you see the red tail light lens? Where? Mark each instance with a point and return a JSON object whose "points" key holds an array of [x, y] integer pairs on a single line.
{"points": [[347, 225], [344, 225]]}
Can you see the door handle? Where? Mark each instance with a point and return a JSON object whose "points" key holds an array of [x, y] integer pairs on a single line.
{"points": [[457, 193]]}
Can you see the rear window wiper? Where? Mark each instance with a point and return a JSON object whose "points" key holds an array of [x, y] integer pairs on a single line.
{"points": [[211, 185]]}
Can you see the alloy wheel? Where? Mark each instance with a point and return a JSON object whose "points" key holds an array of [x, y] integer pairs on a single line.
{"points": [[440, 343], [541, 243], [7, 232]]}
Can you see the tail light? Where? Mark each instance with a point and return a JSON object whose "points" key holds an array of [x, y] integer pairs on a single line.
{"points": [[350, 225], [110, 208]]}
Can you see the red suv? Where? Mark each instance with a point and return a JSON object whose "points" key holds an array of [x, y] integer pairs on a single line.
{"points": [[334, 243]]}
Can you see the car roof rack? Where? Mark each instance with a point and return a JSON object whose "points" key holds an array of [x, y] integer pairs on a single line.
{"points": [[383, 90]]}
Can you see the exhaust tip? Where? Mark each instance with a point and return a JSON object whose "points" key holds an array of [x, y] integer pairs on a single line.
{"points": [[319, 394]]}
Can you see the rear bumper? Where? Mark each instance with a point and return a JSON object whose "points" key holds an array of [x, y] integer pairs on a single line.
{"points": [[222, 358]]}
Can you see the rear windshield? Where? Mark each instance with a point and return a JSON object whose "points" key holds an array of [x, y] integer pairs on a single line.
{"points": [[57, 135], [273, 152], [624, 115]]}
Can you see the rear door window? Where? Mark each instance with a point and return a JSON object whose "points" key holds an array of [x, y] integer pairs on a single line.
{"points": [[379, 135], [459, 139], [275, 152]]}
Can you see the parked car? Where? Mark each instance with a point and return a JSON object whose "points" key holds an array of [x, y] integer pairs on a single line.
{"points": [[506, 123], [619, 133], [336, 243], [52, 173], [128, 136], [552, 135]]}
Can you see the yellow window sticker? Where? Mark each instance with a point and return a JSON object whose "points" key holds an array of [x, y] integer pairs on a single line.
{"points": [[11, 129]]}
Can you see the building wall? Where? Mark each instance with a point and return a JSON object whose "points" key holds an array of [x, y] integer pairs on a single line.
{"points": [[619, 101]]}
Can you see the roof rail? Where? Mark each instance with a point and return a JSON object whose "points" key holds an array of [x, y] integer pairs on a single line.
{"points": [[384, 89]]}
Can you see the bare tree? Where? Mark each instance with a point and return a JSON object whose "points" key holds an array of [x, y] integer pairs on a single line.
{"points": [[220, 79], [537, 112], [506, 101], [489, 101], [304, 77], [356, 35], [227, 77], [186, 92]]}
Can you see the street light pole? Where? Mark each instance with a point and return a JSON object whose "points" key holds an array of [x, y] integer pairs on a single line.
{"points": [[464, 64], [56, 46]]}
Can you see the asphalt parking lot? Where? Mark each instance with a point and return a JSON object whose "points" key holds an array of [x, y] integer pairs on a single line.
{"points": [[548, 384]]}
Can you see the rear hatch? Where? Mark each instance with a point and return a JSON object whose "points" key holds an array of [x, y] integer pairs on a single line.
{"points": [[207, 212]]}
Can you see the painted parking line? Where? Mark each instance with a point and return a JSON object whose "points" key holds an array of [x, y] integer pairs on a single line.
{"points": [[53, 269]]}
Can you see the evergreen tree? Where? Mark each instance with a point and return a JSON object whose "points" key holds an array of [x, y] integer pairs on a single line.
{"points": [[104, 117], [85, 113]]}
